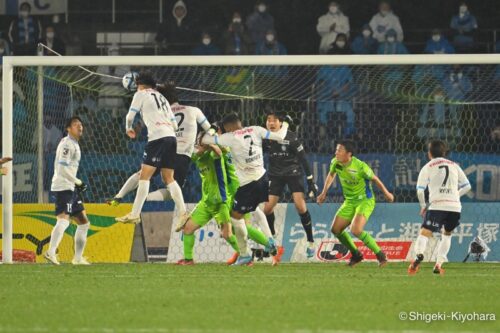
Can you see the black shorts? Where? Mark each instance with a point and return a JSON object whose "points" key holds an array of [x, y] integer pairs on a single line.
{"points": [[181, 169], [436, 219], [277, 184], [68, 202], [161, 153], [249, 196]]}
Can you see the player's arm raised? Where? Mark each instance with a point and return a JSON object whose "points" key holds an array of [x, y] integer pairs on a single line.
{"points": [[276, 136], [312, 190]]}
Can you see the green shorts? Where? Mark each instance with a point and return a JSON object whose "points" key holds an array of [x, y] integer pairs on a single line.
{"points": [[205, 212], [350, 208]]}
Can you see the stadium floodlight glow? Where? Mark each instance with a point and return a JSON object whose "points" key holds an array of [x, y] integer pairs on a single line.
{"points": [[10, 63]]}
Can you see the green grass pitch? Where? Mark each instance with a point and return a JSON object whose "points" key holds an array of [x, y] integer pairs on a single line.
{"points": [[216, 298]]}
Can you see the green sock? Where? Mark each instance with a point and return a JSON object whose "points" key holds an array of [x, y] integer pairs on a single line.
{"points": [[234, 243], [257, 236], [188, 246], [369, 242], [347, 241]]}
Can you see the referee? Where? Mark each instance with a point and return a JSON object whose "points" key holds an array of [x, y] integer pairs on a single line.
{"points": [[287, 162]]}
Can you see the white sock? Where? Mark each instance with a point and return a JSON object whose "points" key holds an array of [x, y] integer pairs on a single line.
{"points": [[80, 239], [176, 193], [261, 219], [241, 233], [57, 235], [130, 185], [443, 249], [421, 244], [140, 197], [159, 195]]}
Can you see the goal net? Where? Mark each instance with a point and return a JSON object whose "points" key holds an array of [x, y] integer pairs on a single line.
{"points": [[389, 109]]}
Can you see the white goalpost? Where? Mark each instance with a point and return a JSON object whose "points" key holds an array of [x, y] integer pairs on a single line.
{"points": [[11, 63]]}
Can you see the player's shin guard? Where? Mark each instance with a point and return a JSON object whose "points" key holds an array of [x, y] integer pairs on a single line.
{"points": [[260, 217], [159, 195], [241, 233], [81, 239], [421, 244], [347, 241], [140, 197], [188, 246], [270, 221], [257, 236], [369, 241], [233, 242], [443, 249], [57, 235], [176, 193], [130, 185], [305, 219]]}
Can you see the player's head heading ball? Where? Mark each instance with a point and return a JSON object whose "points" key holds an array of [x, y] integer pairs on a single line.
{"points": [[345, 150], [231, 122], [168, 90], [145, 79], [437, 148], [74, 126]]}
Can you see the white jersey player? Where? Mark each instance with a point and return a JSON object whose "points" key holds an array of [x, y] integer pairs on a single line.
{"points": [[160, 151], [188, 119], [67, 188], [446, 183], [246, 152]]}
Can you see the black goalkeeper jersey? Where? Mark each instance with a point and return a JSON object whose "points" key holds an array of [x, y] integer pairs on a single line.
{"points": [[283, 156]]}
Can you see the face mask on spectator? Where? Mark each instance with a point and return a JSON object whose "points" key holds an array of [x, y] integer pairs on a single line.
{"points": [[340, 43], [384, 12], [262, 8], [55, 19], [334, 9], [367, 33], [24, 13], [237, 20], [206, 41], [2, 50], [49, 35], [462, 9], [436, 38], [391, 39], [438, 98], [270, 38]]}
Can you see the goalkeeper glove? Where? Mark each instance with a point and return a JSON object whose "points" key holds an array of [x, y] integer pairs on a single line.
{"points": [[288, 119], [80, 186], [312, 188]]}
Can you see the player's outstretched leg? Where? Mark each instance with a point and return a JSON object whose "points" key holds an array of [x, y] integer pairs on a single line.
{"points": [[240, 230], [56, 237], [130, 185], [357, 228], [339, 230], [81, 239], [261, 220], [419, 248], [188, 241], [442, 252]]}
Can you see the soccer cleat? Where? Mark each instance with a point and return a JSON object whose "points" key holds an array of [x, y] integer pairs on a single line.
{"points": [[129, 218], [51, 258], [414, 265], [82, 261], [271, 247], [181, 222], [382, 259], [310, 251], [438, 270], [185, 262], [114, 201], [244, 261], [233, 258], [356, 258], [279, 253]]}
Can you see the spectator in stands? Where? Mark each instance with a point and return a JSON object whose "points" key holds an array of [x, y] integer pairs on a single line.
{"points": [[236, 39], [53, 42], [393, 75], [334, 91], [330, 25], [259, 22], [25, 31], [365, 43], [271, 45], [457, 85], [206, 47], [391, 45], [438, 44], [176, 31], [495, 138], [464, 25], [51, 135], [384, 21], [432, 117], [4, 49], [340, 45]]}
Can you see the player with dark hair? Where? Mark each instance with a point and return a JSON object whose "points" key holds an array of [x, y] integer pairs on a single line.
{"points": [[67, 188], [446, 183], [355, 177], [287, 161]]}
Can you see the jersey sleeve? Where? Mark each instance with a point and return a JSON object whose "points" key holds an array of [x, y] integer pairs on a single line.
{"points": [[462, 178], [423, 179], [65, 153], [221, 140], [202, 120], [333, 164], [366, 171], [136, 104]]}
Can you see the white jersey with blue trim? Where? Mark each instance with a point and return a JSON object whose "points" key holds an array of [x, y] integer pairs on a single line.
{"points": [[156, 114], [66, 164], [188, 118], [446, 182], [246, 151]]}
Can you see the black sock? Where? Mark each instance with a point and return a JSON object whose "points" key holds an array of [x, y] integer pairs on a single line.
{"points": [[307, 224], [270, 221]]}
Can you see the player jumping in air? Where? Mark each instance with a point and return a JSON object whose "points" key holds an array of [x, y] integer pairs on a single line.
{"points": [[356, 178], [446, 182], [67, 189], [160, 151], [246, 150], [287, 159]]}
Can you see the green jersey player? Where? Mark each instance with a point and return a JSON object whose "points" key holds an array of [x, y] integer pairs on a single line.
{"points": [[355, 177]]}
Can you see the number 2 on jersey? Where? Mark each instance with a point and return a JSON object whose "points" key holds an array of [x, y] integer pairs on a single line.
{"points": [[180, 119], [447, 169], [250, 152]]}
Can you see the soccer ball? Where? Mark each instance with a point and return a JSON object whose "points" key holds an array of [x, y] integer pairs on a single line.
{"points": [[128, 81]]}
